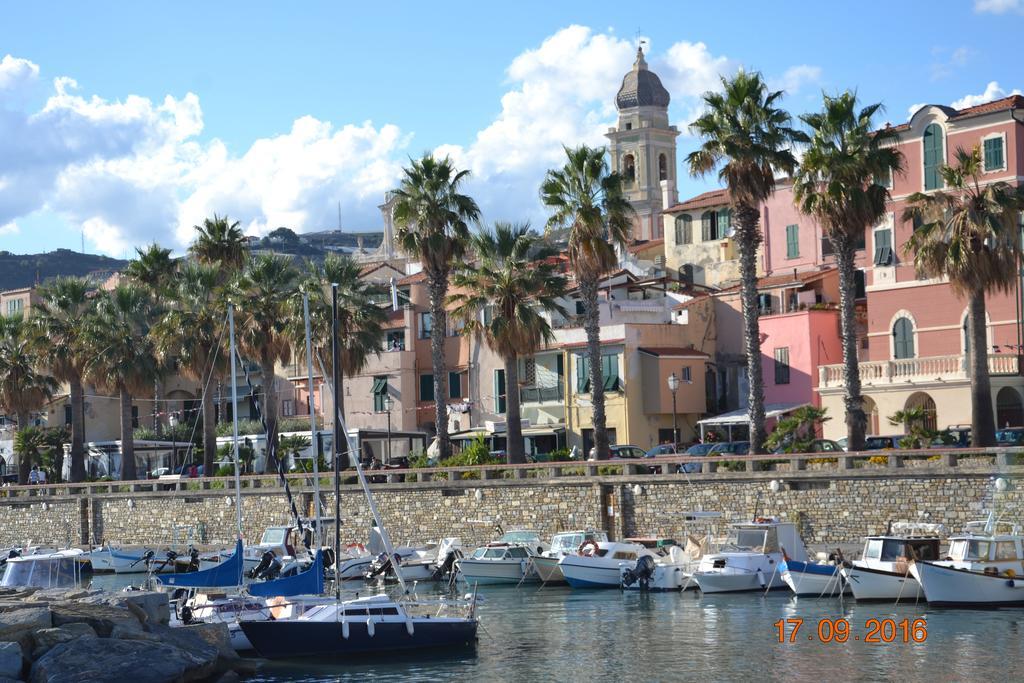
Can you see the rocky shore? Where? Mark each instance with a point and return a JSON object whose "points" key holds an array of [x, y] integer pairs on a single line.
{"points": [[58, 636]]}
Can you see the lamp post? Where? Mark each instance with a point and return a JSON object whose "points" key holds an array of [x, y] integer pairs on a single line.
{"points": [[172, 420], [388, 404], [673, 386]]}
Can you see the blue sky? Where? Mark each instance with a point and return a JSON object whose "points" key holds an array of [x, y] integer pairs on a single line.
{"points": [[131, 121]]}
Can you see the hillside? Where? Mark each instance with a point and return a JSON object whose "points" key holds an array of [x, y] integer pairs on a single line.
{"points": [[22, 270]]}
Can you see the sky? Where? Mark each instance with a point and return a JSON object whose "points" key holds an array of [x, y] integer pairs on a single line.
{"points": [[126, 123]]}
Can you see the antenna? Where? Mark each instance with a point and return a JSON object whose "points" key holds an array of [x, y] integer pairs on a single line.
{"points": [[639, 42], [339, 216]]}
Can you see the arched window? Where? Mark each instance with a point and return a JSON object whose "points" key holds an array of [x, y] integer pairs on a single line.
{"points": [[1009, 409], [934, 158], [684, 229], [662, 167], [903, 339], [629, 167], [926, 403], [871, 413]]}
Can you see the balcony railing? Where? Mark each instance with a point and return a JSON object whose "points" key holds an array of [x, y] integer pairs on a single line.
{"points": [[542, 394], [907, 370]]}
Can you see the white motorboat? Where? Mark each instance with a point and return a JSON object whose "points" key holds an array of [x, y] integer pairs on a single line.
{"points": [[821, 579], [882, 574], [428, 563], [599, 564], [562, 544], [508, 560], [60, 569], [749, 560], [668, 568], [984, 568]]}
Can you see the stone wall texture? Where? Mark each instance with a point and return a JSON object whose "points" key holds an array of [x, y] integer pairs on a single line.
{"points": [[829, 508]]}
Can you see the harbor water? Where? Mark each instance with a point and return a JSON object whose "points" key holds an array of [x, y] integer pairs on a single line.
{"points": [[554, 633]]}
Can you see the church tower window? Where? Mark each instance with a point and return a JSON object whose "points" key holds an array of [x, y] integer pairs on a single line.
{"points": [[629, 168], [662, 167]]}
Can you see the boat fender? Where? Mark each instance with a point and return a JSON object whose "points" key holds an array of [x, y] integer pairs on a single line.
{"points": [[760, 578], [370, 628], [408, 626], [1010, 583], [344, 629]]}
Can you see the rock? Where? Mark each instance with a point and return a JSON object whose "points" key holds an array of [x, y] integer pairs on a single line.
{"points": [[17, 622], [229, 677], [196, 640], [155, 606], [127, 634], [10, 660], [102, 618], [105, 660], [46, 639]]}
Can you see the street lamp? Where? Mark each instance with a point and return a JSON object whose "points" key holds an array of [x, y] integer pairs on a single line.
{"points": [[388, 404], [673, 386], [172, 420]]}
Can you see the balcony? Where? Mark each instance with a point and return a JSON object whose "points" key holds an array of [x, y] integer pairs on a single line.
{"points": [[542, 394], [915, 370]]}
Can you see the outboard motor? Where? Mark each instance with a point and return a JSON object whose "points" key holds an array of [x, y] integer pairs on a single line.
{"points": [[193, 559], [329, 560], [446, 567], [269, 567], [642, 573], [10, 556], [380, 566]]}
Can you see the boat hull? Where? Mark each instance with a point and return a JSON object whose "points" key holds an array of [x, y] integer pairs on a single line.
{"points": [[581, 573], [548, 570], [951, 587], [326, 639], [813, 580], [496, 571], [878, 585], [666, 578]]}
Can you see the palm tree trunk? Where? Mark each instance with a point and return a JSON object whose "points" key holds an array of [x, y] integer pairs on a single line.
{"points": [[748, 238], [270, 410], [438, 290], [592, 326], [513, 419], [24, 463], [983, 421], [77, 398], [209, 433], [856, 421], [128, 472]]}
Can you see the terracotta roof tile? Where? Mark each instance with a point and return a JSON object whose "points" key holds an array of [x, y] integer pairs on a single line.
{"points": [[789, 279], [415, 278], [718, 197], [644, 245]]}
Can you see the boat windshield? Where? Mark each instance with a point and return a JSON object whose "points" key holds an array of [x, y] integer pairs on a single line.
{"points": [[56, 572], [566, 543], [968, 549], [275, 536], [883, 549], [520, 537], [753, 540], [489, 553]]}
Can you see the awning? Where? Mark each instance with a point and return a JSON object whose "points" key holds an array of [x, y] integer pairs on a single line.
{"points": [[543, 430], [739, 417], [469, 434]]}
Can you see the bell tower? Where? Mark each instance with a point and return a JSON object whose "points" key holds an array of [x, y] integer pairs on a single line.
{"points": [[643, 148]]}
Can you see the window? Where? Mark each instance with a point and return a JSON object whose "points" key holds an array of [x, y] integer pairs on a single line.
{"points": [[454, 385], [883, 247], [609, 372], [662, 167], [629, 168], [1006, 550], [903, 339], [499, 391], [707, 226], [580, 307], [782, 365], [582, 373], [992, 152], [287, 407], [426, 325], [684, 229], [67, 415], [724, 223], [629, 126], [488, 314], [859, 287], [135, 417], [764, 304], [792, 241], [395, 340], [380, 392], [15, 307], [426, 387], [884, 180], [933, 156], [560, 368], [686, 374]]}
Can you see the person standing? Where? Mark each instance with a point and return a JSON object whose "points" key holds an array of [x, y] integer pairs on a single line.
{"points": [[33, 476]]}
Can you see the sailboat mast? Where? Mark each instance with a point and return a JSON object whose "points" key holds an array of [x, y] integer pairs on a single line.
{"points": [[335, 361], [234, 419], [312, 423]]}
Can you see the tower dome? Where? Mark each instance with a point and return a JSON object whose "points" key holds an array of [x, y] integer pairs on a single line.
{"points": [[641, 87]]}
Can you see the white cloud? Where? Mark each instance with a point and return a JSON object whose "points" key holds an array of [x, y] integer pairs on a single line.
{"points": [[15, 72], [912, 109], [127, 171], [992, 92], [9, 229], [796, 77], [998, 6]]}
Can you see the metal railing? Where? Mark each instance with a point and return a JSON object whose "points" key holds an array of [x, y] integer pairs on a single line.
{"points": [[542, 394]]}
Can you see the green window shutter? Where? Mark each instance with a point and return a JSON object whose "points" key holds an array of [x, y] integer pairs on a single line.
{"points": [[903, 339], [679, 230], [560, 367], [426, 387], [610, 371], [706, 220], [724, 221], [792, 241], [933, 156], [499, 391], [454, 385], [993, 154], [582, 373]]}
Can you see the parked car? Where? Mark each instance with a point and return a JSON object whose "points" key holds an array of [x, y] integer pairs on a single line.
{"points": [[1011, 436], [882, 443], [730, 448], [695, 449], [817, 446], [961, 434], [842, 443], [159, 472], [660, 450], [620, 452]]}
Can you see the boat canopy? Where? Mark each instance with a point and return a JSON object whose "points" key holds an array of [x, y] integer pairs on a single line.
{"points": [[227, 573], [55, 570], [309, 582]]}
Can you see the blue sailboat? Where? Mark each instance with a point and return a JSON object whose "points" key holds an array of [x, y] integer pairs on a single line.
{"points": [[309, 582], [227, 573]]}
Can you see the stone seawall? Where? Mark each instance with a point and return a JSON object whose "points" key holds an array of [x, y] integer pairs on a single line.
{"points": [[830, 508]]}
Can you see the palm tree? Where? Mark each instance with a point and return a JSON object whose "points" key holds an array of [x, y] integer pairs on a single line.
{"points": [[24, 388], [153, 268], [839, 182], [123, 357], [749, 139], [265, 295], [360, 317], [221, 243], [585, 197], [512, 284], [432, 216], [969, 233], [192, 334], [59, 325]]}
